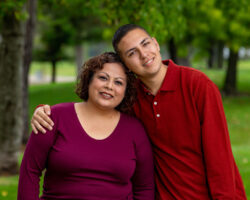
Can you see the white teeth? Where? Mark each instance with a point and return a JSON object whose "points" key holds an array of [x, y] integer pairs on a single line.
{"points": [[148, 62], [106, 95]]}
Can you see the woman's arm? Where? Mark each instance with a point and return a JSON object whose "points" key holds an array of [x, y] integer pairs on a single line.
{"points": [[33, 164], [143, 178]]}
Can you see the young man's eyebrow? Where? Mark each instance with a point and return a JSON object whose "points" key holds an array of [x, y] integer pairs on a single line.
{"points": [[129, 50], [134, 47], [144, 40]]}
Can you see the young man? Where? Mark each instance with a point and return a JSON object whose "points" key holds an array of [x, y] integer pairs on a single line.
{"points": [[184, 118]]}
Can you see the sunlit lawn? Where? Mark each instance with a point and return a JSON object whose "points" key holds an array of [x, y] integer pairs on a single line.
{"points": [[237, 111], [64, 68]]}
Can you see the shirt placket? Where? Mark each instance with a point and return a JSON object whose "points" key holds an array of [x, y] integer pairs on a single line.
{"points": [[156, 110]]}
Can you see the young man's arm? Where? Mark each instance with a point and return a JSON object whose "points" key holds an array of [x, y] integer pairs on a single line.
{"points": [[41, 120], [223, 178]]}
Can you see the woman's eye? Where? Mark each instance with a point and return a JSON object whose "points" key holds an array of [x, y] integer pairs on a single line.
{"points": [[118, 83], [102, 78]]}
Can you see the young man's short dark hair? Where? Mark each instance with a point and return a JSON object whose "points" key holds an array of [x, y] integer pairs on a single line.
{"points": [[121, 32]]}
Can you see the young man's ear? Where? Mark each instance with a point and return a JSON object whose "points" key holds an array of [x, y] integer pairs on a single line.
{"points": [[156, 43]]}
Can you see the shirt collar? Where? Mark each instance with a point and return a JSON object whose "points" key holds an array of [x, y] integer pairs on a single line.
{"points": [[170, 80]]}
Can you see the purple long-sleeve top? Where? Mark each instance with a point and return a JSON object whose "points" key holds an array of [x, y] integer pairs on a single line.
{"points": [[80, 167]]}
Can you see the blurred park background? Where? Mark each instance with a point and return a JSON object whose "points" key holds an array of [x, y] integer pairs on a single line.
{"points": [[43, 43]]}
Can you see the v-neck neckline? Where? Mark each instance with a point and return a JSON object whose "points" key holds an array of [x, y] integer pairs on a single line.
{"points": [[87, 134]]}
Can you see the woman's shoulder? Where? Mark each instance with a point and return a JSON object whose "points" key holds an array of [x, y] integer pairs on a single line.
{"points": [[132, 125], [62, 109]]}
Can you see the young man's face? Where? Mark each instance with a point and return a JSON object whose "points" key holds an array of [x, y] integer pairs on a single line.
{"points": [[140, 53]]}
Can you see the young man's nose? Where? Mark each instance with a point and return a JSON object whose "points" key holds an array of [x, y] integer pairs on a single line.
{"points": [[143, 54]]}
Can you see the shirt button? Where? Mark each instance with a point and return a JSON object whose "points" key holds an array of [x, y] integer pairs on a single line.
{"points": [[158, 115], [155, 103]]}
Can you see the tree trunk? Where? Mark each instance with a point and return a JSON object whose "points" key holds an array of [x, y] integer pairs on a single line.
{"points": [[210, 62], [53, 77], [172, 50], [231, 74], [220, 55], [28, 41], [11, 54], [79, 57], [184, 61]]}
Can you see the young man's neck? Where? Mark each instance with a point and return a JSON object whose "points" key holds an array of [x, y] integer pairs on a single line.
{"points": [[154, 83]]}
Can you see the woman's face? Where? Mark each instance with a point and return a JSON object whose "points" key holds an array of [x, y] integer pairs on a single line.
{"points": [[107, 87]]}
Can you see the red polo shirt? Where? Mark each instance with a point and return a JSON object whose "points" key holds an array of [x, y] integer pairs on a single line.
{"points": [[187, 127]]}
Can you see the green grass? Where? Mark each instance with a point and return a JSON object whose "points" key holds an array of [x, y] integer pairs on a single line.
{"points": [[51, 94], [243, 75], [64, 68], [237, 111], [8, 187]]}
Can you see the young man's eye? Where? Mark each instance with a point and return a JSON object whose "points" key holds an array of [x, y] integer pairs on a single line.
{"points": [[131, 54]]}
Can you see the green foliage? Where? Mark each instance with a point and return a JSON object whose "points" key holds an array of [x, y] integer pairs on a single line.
{"points": [[144, 13], [189, 22], [12, 7], [162, 19], [63, 23], [236, 14]]}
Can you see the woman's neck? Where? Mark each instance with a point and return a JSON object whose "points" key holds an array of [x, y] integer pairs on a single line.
{"points": [[95, 111]]}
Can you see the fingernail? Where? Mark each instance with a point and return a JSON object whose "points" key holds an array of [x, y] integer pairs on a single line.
{"points": [[50, 128], [44, 131]]}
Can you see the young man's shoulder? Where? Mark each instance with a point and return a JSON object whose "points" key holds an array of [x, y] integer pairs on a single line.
{"points": [[185, 72], [193, 75], [192, 71]]}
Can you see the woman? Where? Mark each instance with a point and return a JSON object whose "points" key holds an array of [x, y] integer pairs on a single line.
{"points": [[95, 150]]}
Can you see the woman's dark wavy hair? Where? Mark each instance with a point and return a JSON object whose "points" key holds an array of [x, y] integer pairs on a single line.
{"points": [[96, 63]]}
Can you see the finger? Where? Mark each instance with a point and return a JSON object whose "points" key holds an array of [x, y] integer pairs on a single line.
{"points": [[41, 119], [34, 129], [41, 116], [47, 109], [39, 127]]}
